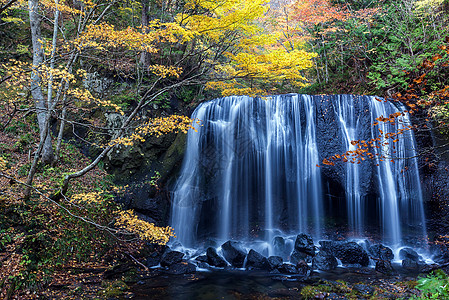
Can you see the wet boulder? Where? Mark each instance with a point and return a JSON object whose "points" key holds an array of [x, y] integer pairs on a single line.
{"points": [[379, 251], [304, 244], [296, 257], [408, 253], [410, 264], [153, 260], [182, 267], [274, 262], [234, 253], [324, 261], [287, 269], [303, 268], [153, 254], [171, 257], [255, 260], [213, 259], [347, 252], [384, 267], [201, 258]]}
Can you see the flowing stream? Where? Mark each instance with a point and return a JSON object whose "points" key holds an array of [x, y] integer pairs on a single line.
{"points": [[253, 170]]}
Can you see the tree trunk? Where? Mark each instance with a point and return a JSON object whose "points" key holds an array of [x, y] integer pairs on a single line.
{"points": [[36, 91], [144, 56]]}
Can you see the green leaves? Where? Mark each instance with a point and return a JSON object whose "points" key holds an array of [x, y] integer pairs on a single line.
{"points": [[434, 286]]}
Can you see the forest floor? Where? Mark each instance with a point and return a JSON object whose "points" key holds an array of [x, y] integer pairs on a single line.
{"points": [[46, 250]]}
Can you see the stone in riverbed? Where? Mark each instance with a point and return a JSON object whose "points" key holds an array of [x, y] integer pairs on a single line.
{"points": [[347, 252], [384, 267], [296, 257], [410, 264], [171, 257], [380, 251], [304, 244], [324, 261], [234, 253], [201, 258], [182, 267], [214, 259], [408, 253], [154, 254], [303, 268], [288, 269], [274, 262], [255, 260]]}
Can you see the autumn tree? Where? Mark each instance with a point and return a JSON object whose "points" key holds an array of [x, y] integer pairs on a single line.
{"points": [[218, 45], [200, 42]]}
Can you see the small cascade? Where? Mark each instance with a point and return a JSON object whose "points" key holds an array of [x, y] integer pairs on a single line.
{"points": [[348, 122], [252, 171], [397, 169]]}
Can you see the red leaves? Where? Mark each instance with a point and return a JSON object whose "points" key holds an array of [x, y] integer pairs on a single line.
{"points": [[420, 79], [328, 162], [437, 57]]}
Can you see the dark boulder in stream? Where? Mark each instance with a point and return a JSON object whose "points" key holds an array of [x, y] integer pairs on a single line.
{"points": [[380, 251], [324, 261], [255, 260], [410, 264], [347, 252], [171, 257], [296, 257], [182, 267], [288, 269], [303, 268], [304, 244], [408, 253], [234, 253], [384, 267], [274, 262], [214, 259]]}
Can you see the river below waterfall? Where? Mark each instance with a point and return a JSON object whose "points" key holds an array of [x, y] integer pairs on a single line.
{"points": [[236, 284]]}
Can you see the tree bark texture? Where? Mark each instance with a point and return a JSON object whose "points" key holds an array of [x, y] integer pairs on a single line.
{"points": [[36, 90]]}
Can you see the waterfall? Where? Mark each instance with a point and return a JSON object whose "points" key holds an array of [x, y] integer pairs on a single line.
{"points": [[252, 171]]}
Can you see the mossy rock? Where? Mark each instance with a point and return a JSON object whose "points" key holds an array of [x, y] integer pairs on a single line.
{"points": [[113, 289]]}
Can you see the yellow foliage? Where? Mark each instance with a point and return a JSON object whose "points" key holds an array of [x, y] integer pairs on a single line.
{"points": [[19, 82], [88, 198], [222, 16], [157, 126], [165, 71], [5, 18], [3, 163], [63, 8], [428, 6], [146, 231], [104, 35]]}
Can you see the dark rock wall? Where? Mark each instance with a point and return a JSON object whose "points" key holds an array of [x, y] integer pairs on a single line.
{"points": [[135, 166], [434, 168]]}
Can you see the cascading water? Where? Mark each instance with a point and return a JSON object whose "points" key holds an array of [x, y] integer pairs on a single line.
{"points": [[251, 172]]}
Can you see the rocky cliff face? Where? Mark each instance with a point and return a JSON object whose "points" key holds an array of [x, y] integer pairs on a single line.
{"points": [[434, 167], [147, 170]]}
